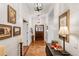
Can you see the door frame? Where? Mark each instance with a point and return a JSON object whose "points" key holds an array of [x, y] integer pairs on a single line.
{"points": [[24, 21]]}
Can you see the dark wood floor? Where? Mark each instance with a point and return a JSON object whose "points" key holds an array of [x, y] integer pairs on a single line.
{"points": [[37, 48]]}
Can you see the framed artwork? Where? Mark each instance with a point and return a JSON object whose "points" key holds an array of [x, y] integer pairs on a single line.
{"points": [[64, 20], [5, 31], [11, 15], [16, 31]]}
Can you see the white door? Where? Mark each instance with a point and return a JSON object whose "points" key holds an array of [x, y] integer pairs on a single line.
{"points": [[25, 34]]}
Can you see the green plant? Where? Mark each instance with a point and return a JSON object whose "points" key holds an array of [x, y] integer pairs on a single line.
{"points": [[54, 42]]}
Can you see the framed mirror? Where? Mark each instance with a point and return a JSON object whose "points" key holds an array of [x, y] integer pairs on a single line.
{"points": [[64, 20]]}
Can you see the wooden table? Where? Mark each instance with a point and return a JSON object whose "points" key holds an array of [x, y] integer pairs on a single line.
{"points": [[53, 52]]}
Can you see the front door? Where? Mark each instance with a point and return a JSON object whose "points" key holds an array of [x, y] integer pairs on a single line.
{"points": [[39, 32]]}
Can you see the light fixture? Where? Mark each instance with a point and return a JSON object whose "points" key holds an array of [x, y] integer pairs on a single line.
{"points": [[38, 7], [63, 32]]}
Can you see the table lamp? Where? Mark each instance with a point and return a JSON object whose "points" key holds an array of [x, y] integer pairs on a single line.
{"points": [[63, 32]]}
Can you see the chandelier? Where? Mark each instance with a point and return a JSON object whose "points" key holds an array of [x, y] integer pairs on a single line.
{"points": [[38, 7]]}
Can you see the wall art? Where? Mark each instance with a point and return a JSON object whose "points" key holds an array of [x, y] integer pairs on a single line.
{"points": [[11, 15], [5, 31]]}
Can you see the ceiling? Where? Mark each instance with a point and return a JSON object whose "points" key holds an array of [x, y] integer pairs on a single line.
{"points": [[46, 7]]}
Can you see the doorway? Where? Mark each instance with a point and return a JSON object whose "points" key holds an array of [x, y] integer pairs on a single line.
{"points": [[37, 48], [39, 32], [25, 37], [25, 33]]}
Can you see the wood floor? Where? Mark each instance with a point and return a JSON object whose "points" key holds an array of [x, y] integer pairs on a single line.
{"points": [[37, 48]]}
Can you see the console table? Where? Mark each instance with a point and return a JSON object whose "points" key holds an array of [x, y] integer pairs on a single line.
{"points": [[52, 52]]}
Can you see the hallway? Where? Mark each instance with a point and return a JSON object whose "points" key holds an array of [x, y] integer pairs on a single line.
{"points": [[52, 25], [36, 48]]}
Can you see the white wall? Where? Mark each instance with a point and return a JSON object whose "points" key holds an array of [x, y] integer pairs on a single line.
{"points": [[10, 43], [50, 26], [26, 16], [53, 24], [73, 45]]}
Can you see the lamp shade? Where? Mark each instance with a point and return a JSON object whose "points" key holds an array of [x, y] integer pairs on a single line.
{"points": [[63, 31]]}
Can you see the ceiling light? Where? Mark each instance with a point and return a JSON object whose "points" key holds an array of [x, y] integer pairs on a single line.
{"points": [[38, 7]]}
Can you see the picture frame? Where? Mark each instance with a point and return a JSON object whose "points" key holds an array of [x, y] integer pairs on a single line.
{"points": [[16, 31], [64, 20], [11, 15], [5, 31]]}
